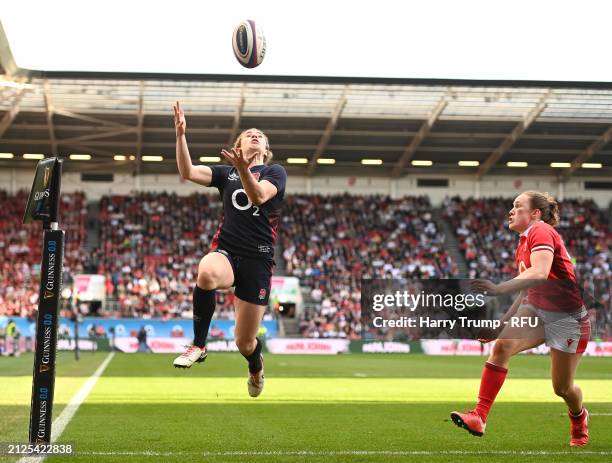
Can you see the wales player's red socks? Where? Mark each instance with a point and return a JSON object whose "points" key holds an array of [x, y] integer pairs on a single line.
{"points": [[491, 382]]}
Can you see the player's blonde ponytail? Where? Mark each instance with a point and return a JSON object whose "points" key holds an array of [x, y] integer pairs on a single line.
{"points": [[546, 204]]}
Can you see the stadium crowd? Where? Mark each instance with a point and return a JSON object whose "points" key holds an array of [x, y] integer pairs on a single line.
{"points": [[20, 249], [481, 226], [332, 242], [150, 245]]}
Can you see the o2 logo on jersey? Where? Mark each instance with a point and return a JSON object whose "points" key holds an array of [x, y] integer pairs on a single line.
{"points": [[248, 205]]}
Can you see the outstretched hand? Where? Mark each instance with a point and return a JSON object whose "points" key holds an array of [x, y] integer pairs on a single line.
{"points": [[238, 159], [180, 123], [485, 287]]}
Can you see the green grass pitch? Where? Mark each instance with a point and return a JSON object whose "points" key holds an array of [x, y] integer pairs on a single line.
{"points": [[351, 408]]}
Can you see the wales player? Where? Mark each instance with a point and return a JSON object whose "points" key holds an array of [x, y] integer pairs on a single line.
{"points": [[550, 293]]}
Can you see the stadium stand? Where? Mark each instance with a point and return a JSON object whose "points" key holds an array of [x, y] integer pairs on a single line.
{"points": [[20, 250], [331, 242], [488, 245], [151, 243]]}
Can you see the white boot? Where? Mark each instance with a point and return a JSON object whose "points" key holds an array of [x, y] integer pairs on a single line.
{"points": [[190, 356]]}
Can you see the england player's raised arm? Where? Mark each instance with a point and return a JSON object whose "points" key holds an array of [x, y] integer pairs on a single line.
{"points": [[197, 174]]}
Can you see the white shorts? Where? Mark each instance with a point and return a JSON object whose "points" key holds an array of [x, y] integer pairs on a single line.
{"points": [[565, 331]]}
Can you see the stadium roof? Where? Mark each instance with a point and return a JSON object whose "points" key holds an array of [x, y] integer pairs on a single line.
{"points": [[396, 121]]}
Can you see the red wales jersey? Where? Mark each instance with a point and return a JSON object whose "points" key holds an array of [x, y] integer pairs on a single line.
{"points": [[563, 293]]}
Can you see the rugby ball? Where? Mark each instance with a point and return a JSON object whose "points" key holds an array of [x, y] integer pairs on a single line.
{"points": [[249, 44]]}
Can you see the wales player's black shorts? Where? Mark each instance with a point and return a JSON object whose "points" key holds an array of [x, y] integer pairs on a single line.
{"points": [[252, 277]]}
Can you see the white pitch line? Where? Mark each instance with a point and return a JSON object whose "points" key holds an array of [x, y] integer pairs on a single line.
{"points": [[152, 453], [60, 423]]}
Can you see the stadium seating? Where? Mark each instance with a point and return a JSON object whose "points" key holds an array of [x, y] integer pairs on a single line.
{"points": [[488, 245], [481, 228], [150, 245], [20, 249], [331, 242]]}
